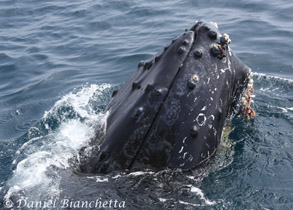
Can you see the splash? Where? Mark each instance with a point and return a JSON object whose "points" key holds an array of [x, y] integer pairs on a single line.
{"points": [[55, 141]]}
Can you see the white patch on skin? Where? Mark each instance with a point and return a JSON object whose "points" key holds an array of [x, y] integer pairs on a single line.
{"points": [[184, 155], [204, 108], [184, 140], [211, 98], [228, 68], [181, 149], [204, 118], [223, 70], [195, 99], [215, 132], [212, 116], [230, 53], [203, 121], [224, 60], [190, 158]]}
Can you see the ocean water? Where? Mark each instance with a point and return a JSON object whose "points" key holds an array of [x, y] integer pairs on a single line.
{"points": [[60, 62]]}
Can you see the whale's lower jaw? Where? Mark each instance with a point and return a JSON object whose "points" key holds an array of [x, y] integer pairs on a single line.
{"points": [[172, 111]]}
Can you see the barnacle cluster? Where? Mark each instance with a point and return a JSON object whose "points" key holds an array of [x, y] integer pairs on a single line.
{"points": [[219, 49], [227, 38], [246, 100]]}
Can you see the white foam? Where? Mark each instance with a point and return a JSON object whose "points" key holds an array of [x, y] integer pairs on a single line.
{"points": [[283, 109], [34, 175], [163, 200], [139, 173], [201, 195], [272, 77], [101, 179], [189, 204]]}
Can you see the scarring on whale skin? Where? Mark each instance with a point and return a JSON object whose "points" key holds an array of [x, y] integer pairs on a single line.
{"points": [[172, 111]]}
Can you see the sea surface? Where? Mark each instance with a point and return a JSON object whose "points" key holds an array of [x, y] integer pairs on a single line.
{"points": [[61, 60]]}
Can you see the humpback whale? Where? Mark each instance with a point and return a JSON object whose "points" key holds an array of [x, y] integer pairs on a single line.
{"points": [[172, 110]]}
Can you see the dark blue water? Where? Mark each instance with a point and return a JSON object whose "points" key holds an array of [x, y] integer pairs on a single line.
{"points": [[60, 61]]}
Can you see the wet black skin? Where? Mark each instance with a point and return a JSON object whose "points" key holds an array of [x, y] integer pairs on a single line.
{"points": [[171, 112]]}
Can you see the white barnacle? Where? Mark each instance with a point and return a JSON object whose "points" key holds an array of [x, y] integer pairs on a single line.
{"points": [[195, 78], [215, 24], [243, 100], [227, 38]]}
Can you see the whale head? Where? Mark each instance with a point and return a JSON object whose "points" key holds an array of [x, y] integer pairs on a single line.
{"points": [[172, 111]]}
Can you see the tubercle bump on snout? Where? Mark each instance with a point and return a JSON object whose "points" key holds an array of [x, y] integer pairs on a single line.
{"points": [[220, 46]]}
